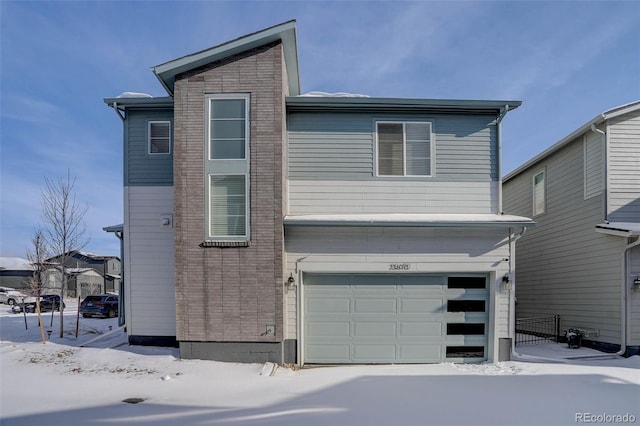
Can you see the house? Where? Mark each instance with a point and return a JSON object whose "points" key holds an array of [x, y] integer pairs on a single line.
{"points": [[87, 273], [264, 225], [582, 261], [15, 272]]}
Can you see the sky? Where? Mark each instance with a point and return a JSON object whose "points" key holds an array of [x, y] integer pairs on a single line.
{"points": [[567, 61]]}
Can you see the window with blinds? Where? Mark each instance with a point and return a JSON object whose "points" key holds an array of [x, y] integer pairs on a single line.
{"points": [[404, 149], [539, 193], [227, 169], [159, 137]]}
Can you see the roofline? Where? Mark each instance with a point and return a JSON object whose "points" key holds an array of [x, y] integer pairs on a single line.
{"points": [[285, 32], [314, 103], [600, 118], [143, 102], [418, 221]]}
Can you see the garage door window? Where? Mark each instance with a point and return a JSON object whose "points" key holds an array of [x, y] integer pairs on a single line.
{"points": [[466, 282], [465, 351], [456, 329], [466, 306]]}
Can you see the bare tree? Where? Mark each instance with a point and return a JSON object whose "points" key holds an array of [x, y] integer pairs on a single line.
{"points": [[37, 257], [65, 229]]}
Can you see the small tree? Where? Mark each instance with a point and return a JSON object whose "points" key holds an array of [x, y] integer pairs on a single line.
{"points": [[65, 229], [37, 257]]}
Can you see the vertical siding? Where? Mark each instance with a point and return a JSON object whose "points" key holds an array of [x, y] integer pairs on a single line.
{"points": [[624, 168], [142, 168], [232, 293], [371, 250], [149, 278], [563, 266]]}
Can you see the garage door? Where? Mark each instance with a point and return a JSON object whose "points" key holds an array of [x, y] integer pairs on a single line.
{"points": [[408, 318]]}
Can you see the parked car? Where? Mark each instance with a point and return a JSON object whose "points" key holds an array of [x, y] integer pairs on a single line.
{"points": [[48, 302], [10, 296], [102, 305]]}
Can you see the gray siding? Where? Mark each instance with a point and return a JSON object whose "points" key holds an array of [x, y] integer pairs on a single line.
{"points": [[333, 146], [563, 266], [142, 168], [149, 276], [427, 250], [624, 168]]}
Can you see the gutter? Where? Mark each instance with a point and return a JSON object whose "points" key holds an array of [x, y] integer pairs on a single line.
{"points": [[115, 108]]}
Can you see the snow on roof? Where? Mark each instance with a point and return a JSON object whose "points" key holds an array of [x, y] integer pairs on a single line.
{"points": [[623, 229], [318, 94], [15, 264], [134, 95]]}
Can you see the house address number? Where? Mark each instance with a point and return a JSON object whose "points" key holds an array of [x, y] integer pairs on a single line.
{"points": [[399, 266]]}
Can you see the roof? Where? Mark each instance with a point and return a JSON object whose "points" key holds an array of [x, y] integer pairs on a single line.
{"points": [[15, 264], [600, 118], [621, 229], [146, 102], [285, 32], [319, 103], [411, 220]]}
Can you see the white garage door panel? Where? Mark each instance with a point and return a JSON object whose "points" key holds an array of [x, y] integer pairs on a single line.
{"points": [[392, 319]]}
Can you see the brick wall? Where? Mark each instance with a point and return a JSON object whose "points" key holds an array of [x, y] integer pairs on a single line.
{"points": [[231, 294]]}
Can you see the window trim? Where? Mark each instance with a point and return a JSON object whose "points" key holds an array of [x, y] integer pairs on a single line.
{"points": [[534, 210], [149, 123], [228, 96], [226, 167], [247, 210], [404, 149]]}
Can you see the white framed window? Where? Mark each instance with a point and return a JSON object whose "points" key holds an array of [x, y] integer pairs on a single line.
{"points": [[228, 207], [539, 193], [228, 127], [404, 148], [159, 133], [227, 168]]}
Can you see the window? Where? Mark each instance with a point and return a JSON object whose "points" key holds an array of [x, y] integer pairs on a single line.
{"points": [[538, 193], [227, 129], [228, 206], [404, 149], [227, 169], [159, 137]]}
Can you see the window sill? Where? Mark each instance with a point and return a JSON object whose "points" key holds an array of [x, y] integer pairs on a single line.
{"points": [[225, 244]]}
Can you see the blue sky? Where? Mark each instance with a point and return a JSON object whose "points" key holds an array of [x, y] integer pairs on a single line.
{"points": [[567, 61]]}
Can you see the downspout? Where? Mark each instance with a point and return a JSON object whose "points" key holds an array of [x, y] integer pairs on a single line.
{"points": [[503, 112], [605, 170], [624, 313], [512, 292]]}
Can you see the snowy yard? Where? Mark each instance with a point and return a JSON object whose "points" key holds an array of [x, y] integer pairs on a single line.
{"points": [[62, 383]]}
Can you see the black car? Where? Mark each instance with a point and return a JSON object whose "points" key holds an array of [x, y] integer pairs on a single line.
{"points": [[48, 302], [102, 305]]}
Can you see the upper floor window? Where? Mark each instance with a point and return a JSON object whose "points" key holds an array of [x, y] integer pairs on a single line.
{"points": [[159, 137], [404, 149], [539, 193], [227, 168], [227, 128]]}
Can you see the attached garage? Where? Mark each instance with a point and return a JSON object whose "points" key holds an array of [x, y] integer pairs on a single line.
{"points": [[395, 318]]}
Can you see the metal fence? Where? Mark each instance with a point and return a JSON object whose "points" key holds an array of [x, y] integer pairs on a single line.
{"points": [[535, 330]]}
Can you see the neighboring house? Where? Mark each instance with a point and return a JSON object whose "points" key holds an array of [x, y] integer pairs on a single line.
{"points": [[262, 225], [15, 272], [87, 273], [582, 261]]}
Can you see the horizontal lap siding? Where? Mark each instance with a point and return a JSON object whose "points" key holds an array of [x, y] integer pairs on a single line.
{"points": [[331, 166], [142, 168], [624, 168], [562, 265], [635, 297], [149, 278]]}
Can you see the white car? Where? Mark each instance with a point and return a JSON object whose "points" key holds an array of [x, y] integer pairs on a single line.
{"points": [[10, 296]]}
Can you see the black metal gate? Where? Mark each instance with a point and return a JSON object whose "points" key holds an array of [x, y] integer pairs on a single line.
{"points": [[535, 330]]}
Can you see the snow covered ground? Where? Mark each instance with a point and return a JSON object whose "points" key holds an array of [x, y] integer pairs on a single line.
{"points": [[63, 383]]}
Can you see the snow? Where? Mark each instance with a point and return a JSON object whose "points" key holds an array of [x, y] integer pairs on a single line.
{"points": [[64, 383], [134, 95], [15, 264], [319, 94]]}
